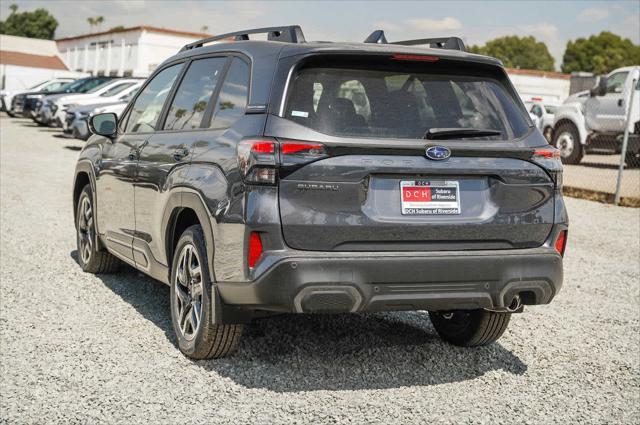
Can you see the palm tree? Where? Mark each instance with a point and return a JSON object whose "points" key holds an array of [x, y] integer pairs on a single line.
{"points": [[99, 21], [93, 22], [198, 107]]}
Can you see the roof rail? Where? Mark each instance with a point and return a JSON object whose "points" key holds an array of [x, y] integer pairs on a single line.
{"points": [[452, 43], [287, 34]]}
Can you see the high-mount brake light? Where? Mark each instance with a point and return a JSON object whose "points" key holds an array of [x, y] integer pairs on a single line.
{"points": [[423, 58], [561, 242]]}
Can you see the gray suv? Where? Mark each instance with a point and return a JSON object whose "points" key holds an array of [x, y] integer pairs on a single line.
{"points": [[284, 176]]}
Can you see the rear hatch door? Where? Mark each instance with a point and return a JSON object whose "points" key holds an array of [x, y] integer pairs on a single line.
{"points": [[380, 185]]}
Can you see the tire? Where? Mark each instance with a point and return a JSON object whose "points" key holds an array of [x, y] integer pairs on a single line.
{"points": [[193, 299], [90, 258], [470, 328], [567, 139], [632, 159], [11, 114]]}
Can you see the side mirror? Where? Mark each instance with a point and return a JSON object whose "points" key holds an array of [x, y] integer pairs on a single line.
{"points": [[104, 124], [600, 89]]}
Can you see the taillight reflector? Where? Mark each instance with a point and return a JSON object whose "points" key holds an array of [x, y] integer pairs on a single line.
{"points": [[255, 249], [424, 58], [561, 242]]}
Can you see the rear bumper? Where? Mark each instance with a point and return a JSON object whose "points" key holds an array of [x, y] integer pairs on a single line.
{"points": [[359, 281]]}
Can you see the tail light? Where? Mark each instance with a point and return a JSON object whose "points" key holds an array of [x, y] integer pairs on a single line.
{"points": [[258, 159], [561, 242], [546, 153], [255, 249], [549, 159], [297, 153]]}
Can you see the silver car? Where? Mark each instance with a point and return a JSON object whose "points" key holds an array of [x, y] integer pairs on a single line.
{"points": [[76, 118]]}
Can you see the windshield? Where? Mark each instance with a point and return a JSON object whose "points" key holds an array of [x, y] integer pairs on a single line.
{"points": [[37, 85], [98, 86], [77, 84], [397, 104], [116, 89]]}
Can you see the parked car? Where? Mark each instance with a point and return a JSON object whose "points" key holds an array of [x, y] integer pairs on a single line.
{"points": [[27, 103], [244, 176], [76, 119], [544, 113], [598, 122], [54, 108], [6, 96]]}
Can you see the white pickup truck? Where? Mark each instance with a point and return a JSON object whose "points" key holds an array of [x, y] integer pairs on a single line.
{"points": [[598, 121]]}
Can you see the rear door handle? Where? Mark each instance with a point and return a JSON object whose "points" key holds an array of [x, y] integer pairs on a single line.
{"points": [[620, 102], [180, 153]]}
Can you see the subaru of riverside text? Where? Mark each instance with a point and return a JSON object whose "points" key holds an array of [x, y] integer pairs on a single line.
{"points": [[260, 177]]}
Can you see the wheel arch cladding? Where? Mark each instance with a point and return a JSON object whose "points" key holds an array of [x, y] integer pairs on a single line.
{"points": [[187, 210], [82, 179]]}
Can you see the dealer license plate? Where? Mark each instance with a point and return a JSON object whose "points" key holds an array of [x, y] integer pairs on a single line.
{"points": [[430, 197]]}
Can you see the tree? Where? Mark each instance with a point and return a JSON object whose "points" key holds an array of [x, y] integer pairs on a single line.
{"points": [[600, 54], [92, 23], [36, 24], [518, 52]]}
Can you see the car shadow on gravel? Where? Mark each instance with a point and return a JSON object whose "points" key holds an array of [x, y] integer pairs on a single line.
{"points": [[328, 352]]}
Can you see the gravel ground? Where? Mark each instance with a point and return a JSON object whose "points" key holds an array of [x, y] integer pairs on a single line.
{"points": [[99, 349]]}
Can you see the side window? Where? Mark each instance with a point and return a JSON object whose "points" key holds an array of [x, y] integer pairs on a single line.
{"points": [[537, 110], [194, 93], [147, 107], [232, 100], [615, 83]]}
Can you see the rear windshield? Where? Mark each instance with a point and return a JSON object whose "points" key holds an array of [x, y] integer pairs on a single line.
{"points": [[397, 104]]}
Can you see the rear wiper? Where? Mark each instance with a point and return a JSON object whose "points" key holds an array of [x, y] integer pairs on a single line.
{"points": [[458, 133]]}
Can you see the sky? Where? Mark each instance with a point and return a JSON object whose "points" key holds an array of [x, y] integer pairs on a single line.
{"points": [[554, 22]]}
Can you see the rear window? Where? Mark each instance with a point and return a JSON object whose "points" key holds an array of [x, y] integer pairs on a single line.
{"points": [[400, 104]]}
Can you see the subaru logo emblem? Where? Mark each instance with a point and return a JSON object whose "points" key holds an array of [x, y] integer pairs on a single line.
{"points": [[438, 153]]}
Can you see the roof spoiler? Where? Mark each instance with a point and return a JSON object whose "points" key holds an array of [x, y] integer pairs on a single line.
{"points": [[286, 34], [451, 43]]}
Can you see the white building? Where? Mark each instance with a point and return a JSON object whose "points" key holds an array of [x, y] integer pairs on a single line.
{"points": [[544, 86], [25, 62], [135, 51]]}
